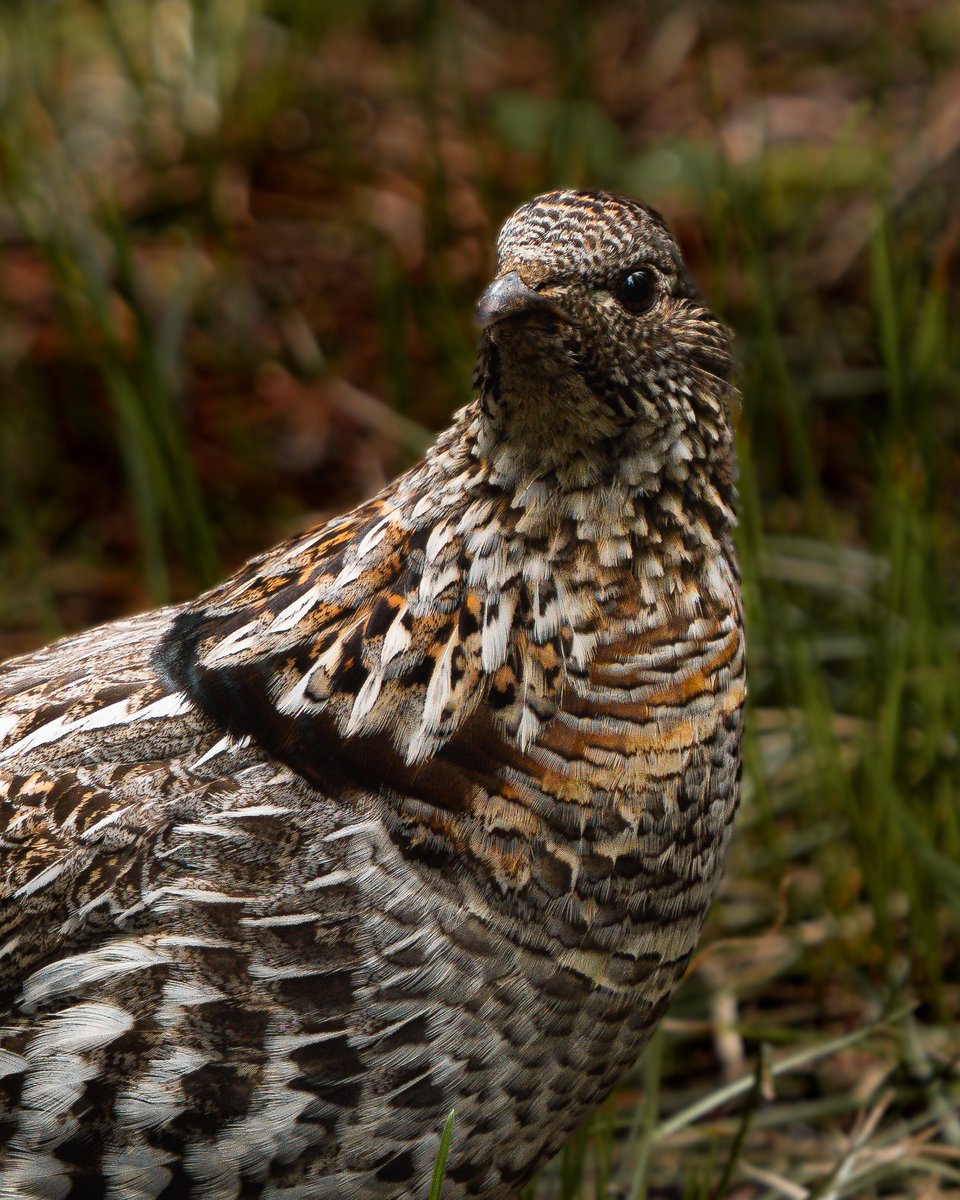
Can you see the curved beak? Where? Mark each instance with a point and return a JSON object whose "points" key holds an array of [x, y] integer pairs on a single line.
{"points": [[509, 296]]}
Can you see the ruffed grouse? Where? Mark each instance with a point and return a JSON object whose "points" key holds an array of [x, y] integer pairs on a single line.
{"points": [[421, 810]]}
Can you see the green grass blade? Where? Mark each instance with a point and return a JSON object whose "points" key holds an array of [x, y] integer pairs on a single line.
{"points": [[440, 1163]]}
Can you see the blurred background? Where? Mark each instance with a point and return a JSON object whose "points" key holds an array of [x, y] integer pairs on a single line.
{"points": [[241, 244]]}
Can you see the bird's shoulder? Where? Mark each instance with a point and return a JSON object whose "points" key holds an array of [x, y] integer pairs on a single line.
{"points": [[391, 623]]}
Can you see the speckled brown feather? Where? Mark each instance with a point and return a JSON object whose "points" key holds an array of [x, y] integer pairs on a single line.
{"points": [[420, 810]]}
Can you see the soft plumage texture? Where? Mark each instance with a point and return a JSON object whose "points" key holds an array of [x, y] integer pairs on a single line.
{"points": [[420, 810]]}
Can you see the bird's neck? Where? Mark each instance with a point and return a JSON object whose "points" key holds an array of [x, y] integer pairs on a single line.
{"points": [[657, 502]]}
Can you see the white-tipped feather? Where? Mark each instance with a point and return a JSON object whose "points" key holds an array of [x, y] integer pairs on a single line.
{"points": [[79, 1028], [495, 636], [396, 641], [83, 970]]}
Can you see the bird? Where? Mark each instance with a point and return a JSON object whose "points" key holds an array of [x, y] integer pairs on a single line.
{"points": [[420, 811]]}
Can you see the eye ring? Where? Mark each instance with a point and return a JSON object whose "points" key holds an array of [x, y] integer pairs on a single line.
{"points": [[637, 290]]}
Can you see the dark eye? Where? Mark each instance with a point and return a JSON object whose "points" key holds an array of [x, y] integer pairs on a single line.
{"points": [[637, 290]]}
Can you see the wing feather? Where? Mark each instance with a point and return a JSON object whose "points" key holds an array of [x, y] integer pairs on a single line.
{"points": [[390, 621]]}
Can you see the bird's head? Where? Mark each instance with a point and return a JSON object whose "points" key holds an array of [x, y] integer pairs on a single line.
{"points": [[596, 346]]}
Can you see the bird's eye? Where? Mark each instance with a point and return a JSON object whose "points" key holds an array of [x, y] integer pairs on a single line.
{"points": [[637, 290]]}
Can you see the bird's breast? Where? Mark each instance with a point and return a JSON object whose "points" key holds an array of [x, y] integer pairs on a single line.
{"points": [[602, 841]]}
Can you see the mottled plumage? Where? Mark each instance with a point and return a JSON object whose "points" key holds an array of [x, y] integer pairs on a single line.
{"points": [[420, 810]]}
